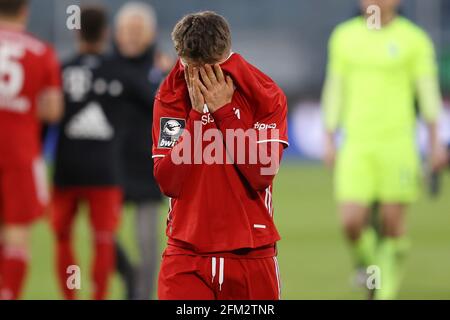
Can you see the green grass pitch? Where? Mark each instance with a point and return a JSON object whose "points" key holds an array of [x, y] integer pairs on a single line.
{"points": [[314, 260]]}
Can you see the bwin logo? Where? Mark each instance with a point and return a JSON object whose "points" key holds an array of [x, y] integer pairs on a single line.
{"points": [[172, 128]]}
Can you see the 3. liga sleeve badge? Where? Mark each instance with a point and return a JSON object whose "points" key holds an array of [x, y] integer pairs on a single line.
{"points": [[170, 131]]}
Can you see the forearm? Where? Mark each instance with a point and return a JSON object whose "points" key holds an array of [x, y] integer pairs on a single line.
{"points": [[51, 106], [170, 177], [430, 104], [258, 169], [330, 141], [433, 135], [430, 100], [437, 153], [330, 136], [428, 90]]}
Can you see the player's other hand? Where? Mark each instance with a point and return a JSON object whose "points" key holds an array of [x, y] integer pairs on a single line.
{"points": [[217, 89], [191, 75], [330, 150], [439, 157]]}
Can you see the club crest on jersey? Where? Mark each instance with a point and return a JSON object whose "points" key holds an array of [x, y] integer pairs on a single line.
{"points": [[393, 50], [170, 131]]}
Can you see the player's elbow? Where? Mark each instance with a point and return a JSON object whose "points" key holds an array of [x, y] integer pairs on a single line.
{"points": [[169, 191], [261, 177], [167, 187]]}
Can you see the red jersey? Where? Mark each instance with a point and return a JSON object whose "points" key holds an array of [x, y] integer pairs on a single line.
{"points": [[27, 67], [219, 207]]}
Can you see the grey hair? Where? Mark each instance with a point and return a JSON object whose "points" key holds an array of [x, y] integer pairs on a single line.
{"points": [[138, 8]]}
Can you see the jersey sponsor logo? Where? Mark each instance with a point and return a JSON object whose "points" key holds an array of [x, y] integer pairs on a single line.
{"points": [[265, 126], [207, 119], [100, 86], [170, 131], [172, 128], [90, 123], [77, 82], [115, 88]]}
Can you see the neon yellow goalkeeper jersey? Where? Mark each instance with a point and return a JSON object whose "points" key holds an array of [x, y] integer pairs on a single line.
{"points": [[374, 76]]}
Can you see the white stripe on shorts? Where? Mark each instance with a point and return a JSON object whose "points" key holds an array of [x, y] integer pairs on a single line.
{"points": [[40, 181], [277, 271]]}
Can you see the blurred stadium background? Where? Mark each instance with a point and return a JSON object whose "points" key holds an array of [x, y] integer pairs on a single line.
{"points": [[288, 41]]}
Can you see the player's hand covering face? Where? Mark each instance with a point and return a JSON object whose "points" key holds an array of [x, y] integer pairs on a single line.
{"points": [[217, 89], [191, 75]]}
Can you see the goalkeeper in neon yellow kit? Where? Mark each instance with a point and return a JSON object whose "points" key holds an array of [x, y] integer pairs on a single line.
{"points": [[373, 78]]}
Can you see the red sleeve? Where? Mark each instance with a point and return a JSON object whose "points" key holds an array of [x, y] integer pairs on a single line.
{"points": [[52, 70], [172, 131], [270, 139], [271, 123]]}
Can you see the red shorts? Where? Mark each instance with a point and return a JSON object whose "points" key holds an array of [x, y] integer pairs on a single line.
{"points": [[184, 277], [23, 193], [105, 205]]}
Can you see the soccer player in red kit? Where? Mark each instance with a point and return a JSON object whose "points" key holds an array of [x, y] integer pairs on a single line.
{"points": [[213, 106], [29, 94]]}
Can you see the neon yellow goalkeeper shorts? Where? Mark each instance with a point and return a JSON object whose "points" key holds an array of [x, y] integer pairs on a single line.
{"points": [[385, 172]]}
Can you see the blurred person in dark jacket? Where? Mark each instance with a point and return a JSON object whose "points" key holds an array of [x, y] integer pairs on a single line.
{"points": [[87, 163], [135, 50]]}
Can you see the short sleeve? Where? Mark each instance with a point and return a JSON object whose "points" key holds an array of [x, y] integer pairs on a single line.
{"points": [[336, 60], [168, 126], [424, 61], [425, 76], [332, 95]]}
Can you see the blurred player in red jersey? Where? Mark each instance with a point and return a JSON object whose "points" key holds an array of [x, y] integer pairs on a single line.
{"points": [[222, 237], [29, 95]]}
